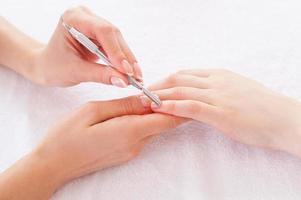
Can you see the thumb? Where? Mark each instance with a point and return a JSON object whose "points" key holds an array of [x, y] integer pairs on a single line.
{"points": [[94, 72], [99, 111]]}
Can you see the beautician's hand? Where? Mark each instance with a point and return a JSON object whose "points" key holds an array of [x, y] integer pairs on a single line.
{"points": [[241, 108], [63, 61], [96, 136]]}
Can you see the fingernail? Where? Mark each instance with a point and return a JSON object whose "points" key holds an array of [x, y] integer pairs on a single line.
{"points": [[145, 101], [127, 68], [118, 82], [154, 106], [138, 70]]}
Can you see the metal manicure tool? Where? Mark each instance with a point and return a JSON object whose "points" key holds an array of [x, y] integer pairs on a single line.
{"points": [[93, 48]]}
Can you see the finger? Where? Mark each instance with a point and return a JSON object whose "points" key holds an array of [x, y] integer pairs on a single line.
{"points": [[196, 72], [137, 127], [155, 123], [108, 38], [181, 93], [81, 19], [188, 108], [100, 111], [130, 57], [181, 80], [202, 72], [101, 30], [95, 72]]}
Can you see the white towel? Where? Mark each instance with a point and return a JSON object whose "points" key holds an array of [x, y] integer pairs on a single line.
{"points": [[258, 38]]}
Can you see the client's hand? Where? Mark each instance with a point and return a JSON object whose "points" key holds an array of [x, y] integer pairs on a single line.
{"points": [[239, 107], [64, 62], [96, 136]]}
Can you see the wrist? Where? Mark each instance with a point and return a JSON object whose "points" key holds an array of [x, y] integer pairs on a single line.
{"points": [[30, 178], [25, 61], [47, 168], [28, 63]]}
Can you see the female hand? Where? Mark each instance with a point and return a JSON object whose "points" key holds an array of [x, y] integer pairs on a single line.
{"points": [[65, 62], [96, 136], [239, 107]]}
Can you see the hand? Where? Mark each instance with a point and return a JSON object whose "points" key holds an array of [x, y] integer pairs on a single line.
{"points": [[239, 107], [64, 62], [96, 136]]}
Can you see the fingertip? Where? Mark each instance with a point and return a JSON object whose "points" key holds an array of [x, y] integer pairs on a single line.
{"points": [[138, 72], [118, 82], [128, 69], [156, 107], [145, 101]]}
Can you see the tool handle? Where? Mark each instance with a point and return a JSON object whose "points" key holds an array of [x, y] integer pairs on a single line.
{"points": [[84, 40]]}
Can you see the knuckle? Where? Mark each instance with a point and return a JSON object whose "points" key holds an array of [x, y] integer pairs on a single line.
{"points": [[223, 71], [128, 105], [67, 12], [68, 15], [179, 92], [193, 107], [173, 122], [173, 79], [91, 107], [107, 29], [219, 81], [82, 8], [74, 11]]}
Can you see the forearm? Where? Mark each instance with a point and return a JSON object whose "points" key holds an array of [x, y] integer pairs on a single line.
{"points": [[17, 50], [29, 178]]}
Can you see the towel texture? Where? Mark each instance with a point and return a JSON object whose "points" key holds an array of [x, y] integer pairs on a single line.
{"points": [[258, 38]]}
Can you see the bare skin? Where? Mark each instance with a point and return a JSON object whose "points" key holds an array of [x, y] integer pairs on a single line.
{"points": [[96, 136], [63, 62], [104, 134], [239, 107]]}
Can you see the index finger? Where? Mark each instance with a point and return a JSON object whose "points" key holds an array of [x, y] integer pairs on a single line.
{"points": [[131, 57], [106, 34]]}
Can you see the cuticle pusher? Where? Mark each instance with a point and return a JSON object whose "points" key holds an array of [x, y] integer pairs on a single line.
{"points": [[93, 48]]}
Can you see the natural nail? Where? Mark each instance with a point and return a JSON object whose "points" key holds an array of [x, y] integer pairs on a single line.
{"points": [[138, 71], [118, 82], [127, 68], [145, 101]]}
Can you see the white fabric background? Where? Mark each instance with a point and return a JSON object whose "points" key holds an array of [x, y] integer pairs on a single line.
{"points": [[258, 38]]}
